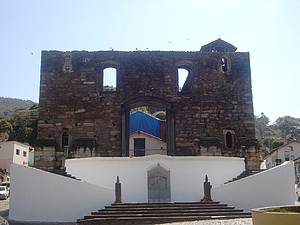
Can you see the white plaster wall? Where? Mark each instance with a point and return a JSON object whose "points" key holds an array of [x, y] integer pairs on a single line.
{"points": [[186, 173], [6, 154], [37, 196], [279, 153], [20, 159], [287, 148], [153, 145], [272, 187]]}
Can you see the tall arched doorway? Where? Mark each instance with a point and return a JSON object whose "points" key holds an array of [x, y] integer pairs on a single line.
{"points": [[149, 101]]}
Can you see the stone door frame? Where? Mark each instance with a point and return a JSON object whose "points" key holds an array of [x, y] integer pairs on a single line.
{"points": [[149, 101]]}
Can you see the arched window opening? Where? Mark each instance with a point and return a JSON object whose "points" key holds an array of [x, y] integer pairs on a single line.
{"points": [[67, 67], [228, 140], [182, 76], [109, 79], [65, 138], [224, 64]]}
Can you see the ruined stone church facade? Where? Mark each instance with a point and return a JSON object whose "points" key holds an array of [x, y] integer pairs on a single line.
{"points": [[212, 115]]}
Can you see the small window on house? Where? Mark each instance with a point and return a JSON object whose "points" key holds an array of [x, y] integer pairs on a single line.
{"points": [[278, 162], [182, 76], [224, 64], [24, 153], [286, 156], [298, 168], [109, 79], [18, 151]]}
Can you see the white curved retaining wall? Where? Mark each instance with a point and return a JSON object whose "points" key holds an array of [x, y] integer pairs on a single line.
{"points": [[186, 173], [272, 187], [39, 196]]}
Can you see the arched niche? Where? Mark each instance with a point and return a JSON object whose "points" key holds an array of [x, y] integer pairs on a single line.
{"points": [[159, 188]]}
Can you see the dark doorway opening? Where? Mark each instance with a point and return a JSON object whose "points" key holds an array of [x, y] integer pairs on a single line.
{"points": [[139, 146]]}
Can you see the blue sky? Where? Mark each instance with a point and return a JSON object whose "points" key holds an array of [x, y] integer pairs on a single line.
{"points": [[268, 29]]}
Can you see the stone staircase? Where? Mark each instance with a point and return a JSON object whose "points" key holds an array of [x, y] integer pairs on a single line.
{"points": [[155, 213], [63, 172], [245, 174]]}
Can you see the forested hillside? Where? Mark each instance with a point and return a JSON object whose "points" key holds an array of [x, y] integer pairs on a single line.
{"points": [[10, 105], [18, 120]]}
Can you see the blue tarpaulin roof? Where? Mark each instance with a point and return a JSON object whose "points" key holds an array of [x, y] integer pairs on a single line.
{"points": [[140, 121]]}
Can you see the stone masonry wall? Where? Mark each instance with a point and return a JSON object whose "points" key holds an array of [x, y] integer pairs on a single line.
{"points": [[72, 97]]}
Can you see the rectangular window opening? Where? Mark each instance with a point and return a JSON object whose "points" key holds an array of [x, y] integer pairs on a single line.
{"points": [[109, 79], [182, 76]]}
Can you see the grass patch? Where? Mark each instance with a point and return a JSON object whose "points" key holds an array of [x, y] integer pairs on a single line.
{"points": [[295, 209]]}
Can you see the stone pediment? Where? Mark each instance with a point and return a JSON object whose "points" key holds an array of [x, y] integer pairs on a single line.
{"points": [[218, 45]]}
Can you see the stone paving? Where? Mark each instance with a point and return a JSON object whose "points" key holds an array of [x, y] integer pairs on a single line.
{"points": [[216, 222], [4, 207]]}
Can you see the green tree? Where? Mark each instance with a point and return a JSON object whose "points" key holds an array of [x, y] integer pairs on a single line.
{"points": [[160, 115], [141, 109], [288, 126], [24, 126], [5, 125], [5, 129], [261, 125]]}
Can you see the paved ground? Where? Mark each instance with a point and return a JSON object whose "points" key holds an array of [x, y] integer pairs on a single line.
{"points": [[4, 207], [216, 222]]}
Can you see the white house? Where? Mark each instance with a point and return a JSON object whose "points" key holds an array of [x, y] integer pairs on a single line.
{"points": [[147, 135], [13, 152], [287, 152], [148, 144]]}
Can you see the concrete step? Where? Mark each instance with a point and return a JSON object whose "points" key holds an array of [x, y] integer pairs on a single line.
{"points": [[181, 211], [64, 173], [152, 213], [159, 211], [161, 208], [171, 204], [245, 174], [163, 203], [173, 214]]}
